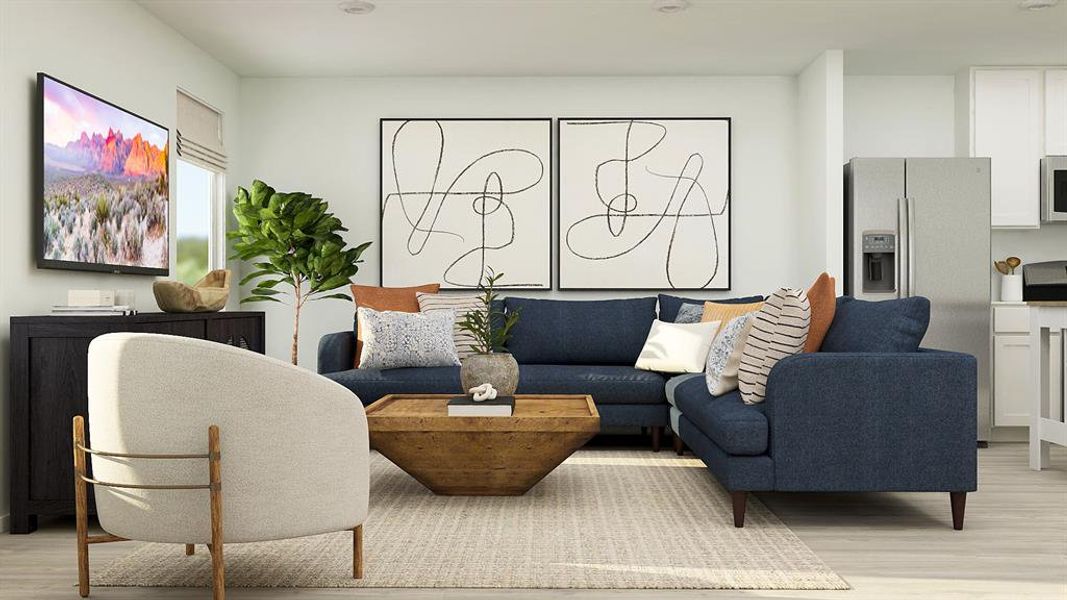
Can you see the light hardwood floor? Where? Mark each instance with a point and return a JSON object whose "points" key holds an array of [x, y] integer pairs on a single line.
{"points": [[885, 545]]}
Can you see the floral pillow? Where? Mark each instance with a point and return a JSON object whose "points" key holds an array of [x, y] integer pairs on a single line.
{"points": [[394, 339], [724, 359]]}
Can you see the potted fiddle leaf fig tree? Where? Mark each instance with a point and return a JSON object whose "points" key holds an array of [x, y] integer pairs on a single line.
{"points": [[491, 328], [299, 248]]}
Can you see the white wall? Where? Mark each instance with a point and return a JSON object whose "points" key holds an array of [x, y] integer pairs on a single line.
{"points": [[900, 116], [820, 154], [321, 136], [120, 52]]}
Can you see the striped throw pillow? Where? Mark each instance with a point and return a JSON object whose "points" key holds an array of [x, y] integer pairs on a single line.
{"points": [[461, 305], [779, 330]]}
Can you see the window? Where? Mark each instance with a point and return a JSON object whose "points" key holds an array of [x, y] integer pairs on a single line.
{"points": [[196, 203], [201, 185]]}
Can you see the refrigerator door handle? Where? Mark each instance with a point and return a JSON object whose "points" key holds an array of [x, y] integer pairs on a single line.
{"points": [[910, 206], [899, 283]]}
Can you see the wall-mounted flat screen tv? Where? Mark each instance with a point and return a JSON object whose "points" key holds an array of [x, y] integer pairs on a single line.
{"points": [[103, 180]]}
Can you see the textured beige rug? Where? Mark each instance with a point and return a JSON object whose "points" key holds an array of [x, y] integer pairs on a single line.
{"points": [[603, 519]]}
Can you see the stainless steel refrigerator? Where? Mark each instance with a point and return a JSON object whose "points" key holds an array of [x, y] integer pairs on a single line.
{"points": [[921, 227]]}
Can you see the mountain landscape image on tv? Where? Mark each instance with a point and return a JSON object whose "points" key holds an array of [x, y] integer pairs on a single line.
{"points": [[105, 190]]}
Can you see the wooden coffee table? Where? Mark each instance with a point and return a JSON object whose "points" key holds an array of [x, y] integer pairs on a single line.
{"points": [[480, 456]]}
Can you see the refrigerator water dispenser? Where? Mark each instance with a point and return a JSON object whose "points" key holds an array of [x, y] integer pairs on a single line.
{"points": [[879, 261]]}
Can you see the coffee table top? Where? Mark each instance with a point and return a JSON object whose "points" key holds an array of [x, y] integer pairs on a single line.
{"points": [[533, 412]]}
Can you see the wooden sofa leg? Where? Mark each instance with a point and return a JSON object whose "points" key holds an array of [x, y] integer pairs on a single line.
{"points": [[679, 445], [740, 500], [357, 552], [959, 505], [190, 549], [657, 437]]}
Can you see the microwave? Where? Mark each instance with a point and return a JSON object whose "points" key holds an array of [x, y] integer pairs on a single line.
{"points": [[1054, 188]]}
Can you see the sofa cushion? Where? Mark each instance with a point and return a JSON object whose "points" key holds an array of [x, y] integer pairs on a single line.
{"points": [[394, 339], [383, 298], [736, 427], [669, 305], [779, 330], [573, 332], [607, 384], [677, 347], [672, 385], [821, 296], [887, 326], [372, 384]]}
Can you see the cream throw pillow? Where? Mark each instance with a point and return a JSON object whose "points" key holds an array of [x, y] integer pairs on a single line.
{"points": [[779, 330], [429, 303], [677, 347], [724, 359]]}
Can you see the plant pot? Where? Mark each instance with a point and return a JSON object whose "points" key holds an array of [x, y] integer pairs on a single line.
{"points": [[1011, 288], [497, 368]]}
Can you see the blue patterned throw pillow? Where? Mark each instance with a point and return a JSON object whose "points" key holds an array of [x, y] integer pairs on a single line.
{"points": [[690, 313], [392, 340], [724, 359]]}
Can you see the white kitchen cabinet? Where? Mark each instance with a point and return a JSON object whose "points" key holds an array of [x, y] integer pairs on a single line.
{"points": [[1008, 117], [1056, 112], [1011, 366]]}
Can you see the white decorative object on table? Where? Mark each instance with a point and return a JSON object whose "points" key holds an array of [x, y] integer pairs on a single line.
{"points": [[1011, 288], [483, 392]]}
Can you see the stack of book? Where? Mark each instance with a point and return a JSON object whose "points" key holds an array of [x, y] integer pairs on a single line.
{"points": [[109, 310], [465, 406]]}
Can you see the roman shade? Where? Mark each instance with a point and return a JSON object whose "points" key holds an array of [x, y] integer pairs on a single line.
{"points": [[199, 133]]}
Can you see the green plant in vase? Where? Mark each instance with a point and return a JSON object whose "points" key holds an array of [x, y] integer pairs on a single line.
{"points": [[299, 242], [491, 329]]}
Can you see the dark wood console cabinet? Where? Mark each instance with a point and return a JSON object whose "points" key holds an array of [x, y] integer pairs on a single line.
{"points": [[49, 357]]}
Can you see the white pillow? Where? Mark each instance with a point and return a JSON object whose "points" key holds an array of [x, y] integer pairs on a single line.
{"points": [[394, 339], [429, 303], [724, 359], [677, 347]]}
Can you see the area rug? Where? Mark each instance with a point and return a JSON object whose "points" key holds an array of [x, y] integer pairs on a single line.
{"points": [[603, 519]]}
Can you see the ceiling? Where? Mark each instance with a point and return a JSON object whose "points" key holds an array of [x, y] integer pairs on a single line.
{"points": [[313, 38]]}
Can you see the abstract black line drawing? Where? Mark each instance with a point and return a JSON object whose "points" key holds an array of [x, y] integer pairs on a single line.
{"points": [[644, 203], [461, 195]]}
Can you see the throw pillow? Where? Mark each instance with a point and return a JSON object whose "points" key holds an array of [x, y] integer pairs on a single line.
{"points": [[460, 305], [382, 298], [669, 305], [823, 298], [724, 313], [724, 359], [393, 339], [690, 313], [887, 326], [779, 330], [677, 347]]}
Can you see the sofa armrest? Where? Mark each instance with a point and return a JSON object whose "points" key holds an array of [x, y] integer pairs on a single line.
{"points": [[337, 351], [874, 422]]}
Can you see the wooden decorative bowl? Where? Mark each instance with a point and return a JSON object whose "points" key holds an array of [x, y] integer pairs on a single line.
{"points": [[207, 295]]}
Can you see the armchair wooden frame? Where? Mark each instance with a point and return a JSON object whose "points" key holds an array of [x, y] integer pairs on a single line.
{"points": [[214, 486]]}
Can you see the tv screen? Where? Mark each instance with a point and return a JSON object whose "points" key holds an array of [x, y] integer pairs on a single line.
{"points": [[104, 185]]}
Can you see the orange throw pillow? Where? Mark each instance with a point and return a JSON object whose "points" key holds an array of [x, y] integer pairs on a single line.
{"points": [[400, 299], [724, 312], [823, 299]]}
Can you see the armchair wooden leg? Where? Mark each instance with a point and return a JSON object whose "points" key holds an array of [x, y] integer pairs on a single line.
{"points": [[218, 575], [959, 505], [357, 552], [81, 507], [190, 549], [740, 500], [657, 437]]}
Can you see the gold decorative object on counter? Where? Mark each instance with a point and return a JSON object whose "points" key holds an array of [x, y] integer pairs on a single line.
{"points": [[207, 295]]}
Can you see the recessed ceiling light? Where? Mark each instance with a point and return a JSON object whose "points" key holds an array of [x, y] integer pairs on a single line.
{"points": [[670, 7], [356, 7], [1037, 4]]}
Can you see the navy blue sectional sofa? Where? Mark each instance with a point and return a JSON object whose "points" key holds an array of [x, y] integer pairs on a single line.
{"points": [[871, 412]]}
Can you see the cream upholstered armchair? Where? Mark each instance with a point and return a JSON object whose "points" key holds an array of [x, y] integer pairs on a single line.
{"points": [[194, 442]]}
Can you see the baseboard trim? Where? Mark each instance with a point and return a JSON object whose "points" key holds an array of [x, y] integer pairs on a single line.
{"points": [[5, 523]]}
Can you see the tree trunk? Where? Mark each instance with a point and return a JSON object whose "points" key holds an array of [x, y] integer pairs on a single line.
{"points": [[294, 352]]}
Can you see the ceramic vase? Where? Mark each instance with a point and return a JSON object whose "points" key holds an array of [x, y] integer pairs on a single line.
{"points": [[1011, 288], [496, 368]]}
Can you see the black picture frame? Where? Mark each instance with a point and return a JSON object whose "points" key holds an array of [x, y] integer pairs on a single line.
{"points": [[729, 221], [549, 169], [39, 150]]}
